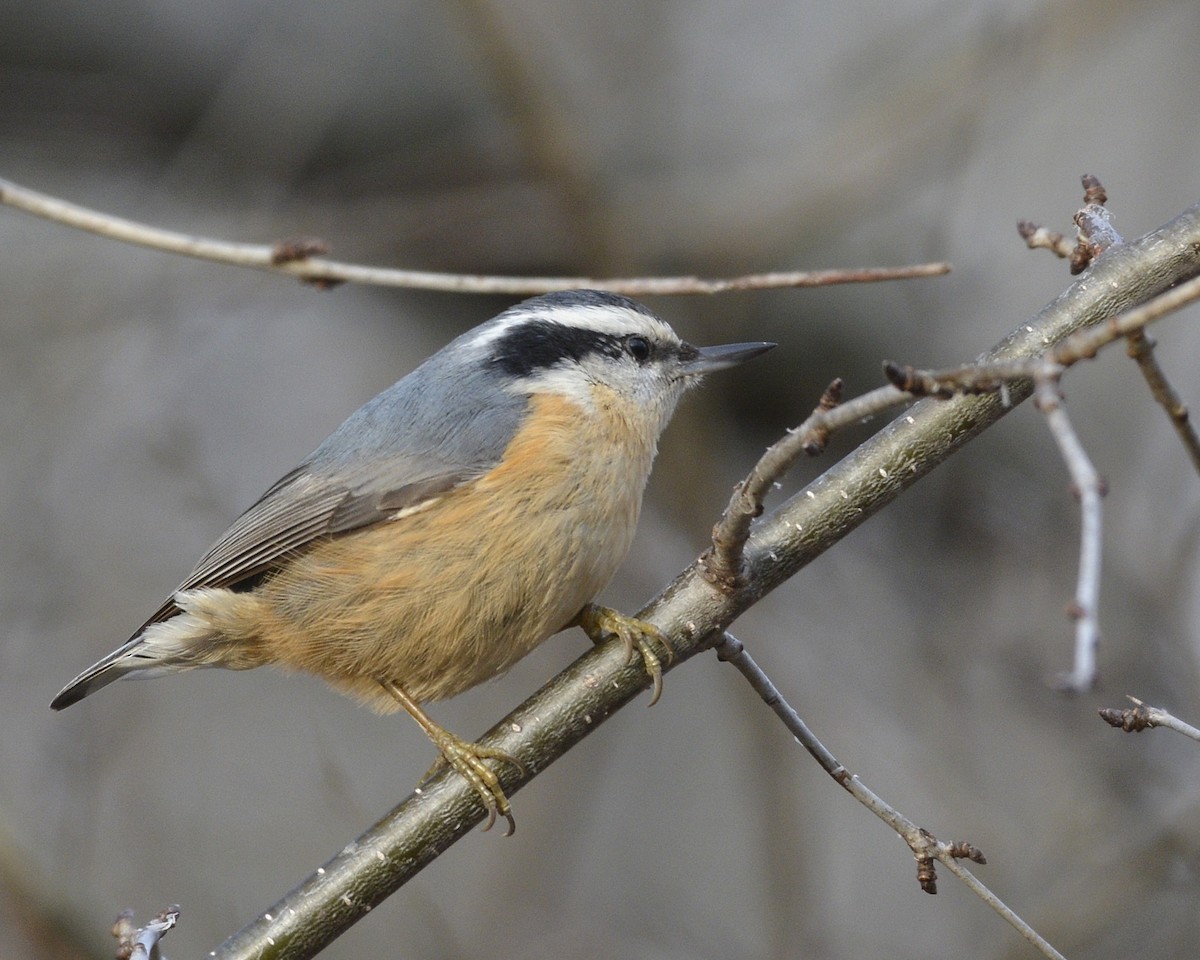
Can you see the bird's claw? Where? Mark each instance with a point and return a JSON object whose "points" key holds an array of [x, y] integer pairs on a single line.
{"points": [[467, 760], [599, 623]]}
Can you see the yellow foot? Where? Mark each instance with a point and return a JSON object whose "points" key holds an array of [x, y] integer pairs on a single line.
{"points": [[601, 622], [464, 758]]}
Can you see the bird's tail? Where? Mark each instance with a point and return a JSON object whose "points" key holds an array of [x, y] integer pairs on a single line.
{"points": [[190, 639], [117, 664]]}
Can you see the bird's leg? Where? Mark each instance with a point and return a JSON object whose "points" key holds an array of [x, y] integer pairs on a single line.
{"points": [[599, 623], [464, 757]]}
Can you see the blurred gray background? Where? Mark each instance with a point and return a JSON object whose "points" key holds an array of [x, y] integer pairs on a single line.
{"points": [[145, 400]]}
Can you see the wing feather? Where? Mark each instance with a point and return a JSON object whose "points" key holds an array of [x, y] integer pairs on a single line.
{"points": [[302, 508]]}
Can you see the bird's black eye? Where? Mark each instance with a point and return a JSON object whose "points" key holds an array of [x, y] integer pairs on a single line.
{"points": [[638, 347]]}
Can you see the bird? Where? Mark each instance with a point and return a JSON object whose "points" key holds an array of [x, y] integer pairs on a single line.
{"points": [[449, 526]]}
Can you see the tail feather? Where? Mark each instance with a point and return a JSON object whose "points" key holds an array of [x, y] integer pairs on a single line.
{"points": [[96, 676], [187, 640]]}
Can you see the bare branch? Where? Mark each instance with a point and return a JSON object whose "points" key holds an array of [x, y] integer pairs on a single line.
{"points": [[1089, 488], [987, 376], [1140, 346], [723, 563], [969, 379], [134, 943], [1039, 238], [1094, 233], [693, 613], [1046, 371], [974, 884], [1093, 190], [925, 846], [1086, 343], [299, 258], [1142, 717]]}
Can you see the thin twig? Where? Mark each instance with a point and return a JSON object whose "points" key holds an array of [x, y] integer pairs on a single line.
{"points": [[1089, 487], [971, 379], [1142, 717], [987, 376], [1140, 345], [723, 563], [135, 943], [1037, 237], [1046, 371], [1094, 231], [977, 887], [923, 844], [289, 257], [1086, 482], [1085, 344]]}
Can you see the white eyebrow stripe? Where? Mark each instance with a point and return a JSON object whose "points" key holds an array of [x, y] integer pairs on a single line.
{"points": [[613, 320]]}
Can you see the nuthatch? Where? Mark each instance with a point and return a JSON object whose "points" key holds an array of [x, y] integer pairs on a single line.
{"points": [[450, 525]]}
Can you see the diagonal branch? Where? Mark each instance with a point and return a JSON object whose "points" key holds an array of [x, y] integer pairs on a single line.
{"points": [[925, 847], [694, 612], [1046, 371], [1140, 345], [723, 563]]}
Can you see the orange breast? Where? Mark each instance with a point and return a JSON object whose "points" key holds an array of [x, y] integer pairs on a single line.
{"points": [[453, 594]]}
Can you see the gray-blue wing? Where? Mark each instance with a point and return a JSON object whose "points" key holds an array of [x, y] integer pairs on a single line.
{"points": [[441, 426], [390, 454], [300, 509]]}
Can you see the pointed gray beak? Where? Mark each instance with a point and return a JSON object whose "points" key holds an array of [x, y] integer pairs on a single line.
{"points": [[697, 361]]}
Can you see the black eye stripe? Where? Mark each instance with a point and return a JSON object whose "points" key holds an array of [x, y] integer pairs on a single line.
{"points": [[538, 345]]}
